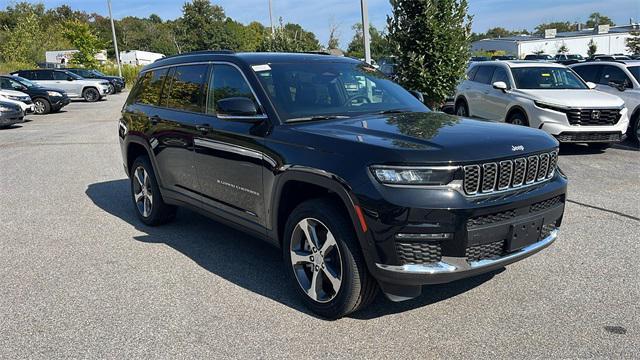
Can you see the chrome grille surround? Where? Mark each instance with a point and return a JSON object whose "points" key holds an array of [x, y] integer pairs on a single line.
{"points": [[491, 177]]}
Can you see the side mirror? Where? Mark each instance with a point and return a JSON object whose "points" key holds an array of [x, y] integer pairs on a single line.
{"points": [[418, 95], [591, 85], [237, 106], [500, 85]]}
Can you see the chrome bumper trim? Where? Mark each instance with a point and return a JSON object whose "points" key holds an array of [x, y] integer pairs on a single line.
{"points": [[458, 265]]}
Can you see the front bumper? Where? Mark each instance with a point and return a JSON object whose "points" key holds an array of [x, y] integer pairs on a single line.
{"points": [[557, 124], [59, 102], [11, 118]]}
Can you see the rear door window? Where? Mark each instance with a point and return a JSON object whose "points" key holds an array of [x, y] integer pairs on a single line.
{"points": [[59, 75], [484, 74], [44, 75], [612, 74], [139, 90], [188, 87]]}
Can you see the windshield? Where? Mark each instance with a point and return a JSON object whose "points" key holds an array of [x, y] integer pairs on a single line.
{"points": [[25, 82], [326, 89], [546, 78], [635, 71]]}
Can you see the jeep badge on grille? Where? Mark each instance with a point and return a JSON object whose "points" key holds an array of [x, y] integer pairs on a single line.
{"points": [[517, 147]]}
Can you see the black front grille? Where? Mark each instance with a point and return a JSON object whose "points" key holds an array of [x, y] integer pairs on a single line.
{"points": [[490, 219], [418, 253], [490, 177], [486, 251], [593, 117], [543, 205], [589, 137]]}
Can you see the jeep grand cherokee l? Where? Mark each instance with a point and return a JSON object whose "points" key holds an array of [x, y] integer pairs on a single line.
{"points": [[76, 86], [544, 96], [358, 182]]}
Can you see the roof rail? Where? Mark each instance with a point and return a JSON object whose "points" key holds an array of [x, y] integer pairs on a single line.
{"points": [[200, 52]]}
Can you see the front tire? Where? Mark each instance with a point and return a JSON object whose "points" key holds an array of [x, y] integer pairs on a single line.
{"points": [[324, 260], [634, 129], [462, 109], [145, 193], [111, 89], [41, 106], [518, 118], [91, 95]]}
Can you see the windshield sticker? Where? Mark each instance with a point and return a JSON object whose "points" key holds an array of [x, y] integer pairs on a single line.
{"points": [[545, 74], [259, 68]]}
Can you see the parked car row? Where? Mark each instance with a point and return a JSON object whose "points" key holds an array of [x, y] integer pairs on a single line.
{"points": [[43, 91], [595, 103]]}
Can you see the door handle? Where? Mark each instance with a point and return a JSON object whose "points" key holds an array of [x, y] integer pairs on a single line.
{"points": [[155, 119], [203, 128]]}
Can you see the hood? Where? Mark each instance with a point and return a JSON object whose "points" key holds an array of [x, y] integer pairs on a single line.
{"points": [[429, 137], [574, 98], [12, 93], [43, 89]]}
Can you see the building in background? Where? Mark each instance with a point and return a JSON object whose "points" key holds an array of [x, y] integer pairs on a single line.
{"points": [[60, 58], [138, 57], [609, 39]]}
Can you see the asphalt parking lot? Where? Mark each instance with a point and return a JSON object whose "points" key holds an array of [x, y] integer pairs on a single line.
{"points": [[80, 277]]}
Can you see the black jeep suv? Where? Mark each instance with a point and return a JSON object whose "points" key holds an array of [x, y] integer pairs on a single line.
{"points": [[359, 183], [45, 99]]}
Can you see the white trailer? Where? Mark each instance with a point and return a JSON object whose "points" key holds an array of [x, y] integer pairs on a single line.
{"points": [[59, 56], [138, 57]]}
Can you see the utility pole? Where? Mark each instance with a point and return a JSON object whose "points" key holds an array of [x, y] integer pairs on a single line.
{"points": [[115, 40], [365, 31], [273, 30]]}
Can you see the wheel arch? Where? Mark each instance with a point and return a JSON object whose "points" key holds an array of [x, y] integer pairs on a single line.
{"points": [[517, 108], [306, 184], [135, 147]]}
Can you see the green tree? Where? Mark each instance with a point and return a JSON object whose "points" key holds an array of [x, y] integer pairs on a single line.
{"points": [[563, 49], [20, 44], [203, 27], [593, 48], [598, 19], [633, 43], [83, 39], [334, 38], [380, 45], [290, 38], [432, 39], [560, 26]]}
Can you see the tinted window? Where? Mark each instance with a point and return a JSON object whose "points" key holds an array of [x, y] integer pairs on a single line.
{"points": [[5, 84], [154, 87], [613, 74], [227, 82], [59, 75], [188, 87], [635, 71], [472, 73], [588, 72], [500, 74], [551, 78], [484, 74], [139, 90], [44, 75]]}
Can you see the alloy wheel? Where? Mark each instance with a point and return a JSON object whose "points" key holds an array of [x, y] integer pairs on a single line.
{"points": [[111, 89], [316, 260], [142, 192], [92, 95], [517, 121], [39, 107]]}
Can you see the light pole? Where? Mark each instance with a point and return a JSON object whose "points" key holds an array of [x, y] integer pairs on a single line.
{"points": [[273, 30], [366, 37], [115, 40]]}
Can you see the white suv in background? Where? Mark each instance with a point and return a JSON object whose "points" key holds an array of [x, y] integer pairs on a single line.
{"points": [[545, 96], [620, 78], [76, 86]]}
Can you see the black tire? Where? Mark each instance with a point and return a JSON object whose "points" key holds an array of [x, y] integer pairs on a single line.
{"points": [[42, 106], [91, 95], [462, 109], [634, 129], [358, 288], [518, 118], [600, 146], [159, 213]]}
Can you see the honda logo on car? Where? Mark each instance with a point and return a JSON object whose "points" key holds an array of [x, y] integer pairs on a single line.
{"points": [[595, 115], [517, 147]]}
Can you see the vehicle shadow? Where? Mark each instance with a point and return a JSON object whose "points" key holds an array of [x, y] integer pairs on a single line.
{"points": [[584, 149], [242, 259]]}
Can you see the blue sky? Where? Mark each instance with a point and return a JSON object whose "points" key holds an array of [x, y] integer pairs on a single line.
{"points": [[317, 15]]}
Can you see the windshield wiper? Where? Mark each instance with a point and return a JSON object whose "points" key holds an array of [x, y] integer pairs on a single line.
{"points": [[391, 111], [316, 118]]}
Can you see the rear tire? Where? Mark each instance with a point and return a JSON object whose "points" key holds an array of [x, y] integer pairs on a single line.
{"points": [[518, 118], [42, 106], [339, 262], [145, 193], [91, 95]]}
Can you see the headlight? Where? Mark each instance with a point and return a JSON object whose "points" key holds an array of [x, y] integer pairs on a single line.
{"points": [[553, 107], [436, 175], [15, 98], [54, 94]]}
